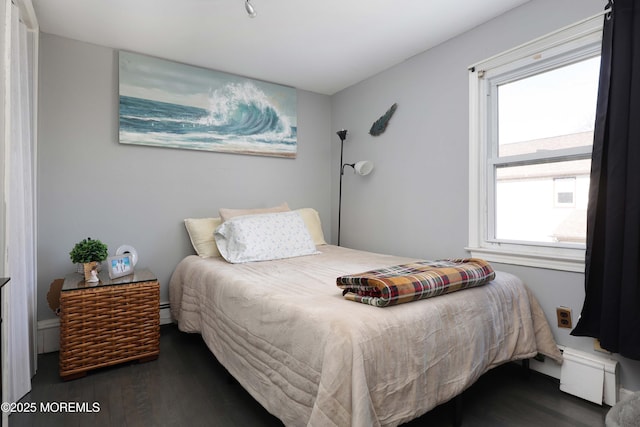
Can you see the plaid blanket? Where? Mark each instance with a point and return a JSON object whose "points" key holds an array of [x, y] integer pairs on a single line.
{"points": [[411, 282]]}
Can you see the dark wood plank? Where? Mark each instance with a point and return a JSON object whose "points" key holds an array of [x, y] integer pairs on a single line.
{"points": [[187, 386]]}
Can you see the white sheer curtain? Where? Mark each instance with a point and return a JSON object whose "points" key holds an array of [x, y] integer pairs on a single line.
{"points": [[20, 171]]}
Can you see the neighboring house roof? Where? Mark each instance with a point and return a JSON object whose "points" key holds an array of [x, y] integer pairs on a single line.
{"points": [[552, 143], [573, 229], [546, 170]]}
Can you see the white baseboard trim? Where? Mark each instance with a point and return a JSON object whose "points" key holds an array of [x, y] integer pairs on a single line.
{"points": [[48, 335], [165, 313], [552, 369], [548, 367], [49, 330], [590, 376]]}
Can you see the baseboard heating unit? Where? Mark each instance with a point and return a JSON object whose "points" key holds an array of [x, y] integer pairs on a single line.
{"points": [[590, 377]]}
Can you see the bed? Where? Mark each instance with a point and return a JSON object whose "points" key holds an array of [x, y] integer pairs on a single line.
{"points": [[284, 330]]}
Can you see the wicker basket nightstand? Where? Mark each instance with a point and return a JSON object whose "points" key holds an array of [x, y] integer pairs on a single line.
{"points": [[113, 321]]}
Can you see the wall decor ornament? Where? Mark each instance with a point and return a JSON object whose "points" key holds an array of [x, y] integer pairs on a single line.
{"points": [[128, 249], [168, 104], [380, 125]]}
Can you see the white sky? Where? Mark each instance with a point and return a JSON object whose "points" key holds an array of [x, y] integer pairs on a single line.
{"points": [[557, 102]]}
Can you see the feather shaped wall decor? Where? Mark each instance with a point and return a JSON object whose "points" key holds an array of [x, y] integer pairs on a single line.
{"points": [[380, 125]]}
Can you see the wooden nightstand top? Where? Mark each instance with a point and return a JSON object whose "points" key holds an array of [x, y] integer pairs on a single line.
{"points": [[76, 281]]}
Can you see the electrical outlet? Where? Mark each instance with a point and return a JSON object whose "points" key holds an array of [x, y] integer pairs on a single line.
{"points": [[564, 317]]}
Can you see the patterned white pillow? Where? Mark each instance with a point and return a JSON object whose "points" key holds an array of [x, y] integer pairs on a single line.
{"points": [[264, 237]]}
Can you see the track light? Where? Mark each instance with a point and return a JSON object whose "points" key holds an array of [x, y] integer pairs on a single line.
{"points": [[249, 8], [363, 167]]}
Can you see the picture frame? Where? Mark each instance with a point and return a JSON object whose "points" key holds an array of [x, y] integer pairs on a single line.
{"points": [[168, 104], [120, 265]]}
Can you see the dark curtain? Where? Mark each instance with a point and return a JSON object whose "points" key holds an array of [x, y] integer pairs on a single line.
{"points": [[611, 310]]}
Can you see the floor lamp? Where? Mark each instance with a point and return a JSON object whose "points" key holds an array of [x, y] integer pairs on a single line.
{"points": [[363, 167]]}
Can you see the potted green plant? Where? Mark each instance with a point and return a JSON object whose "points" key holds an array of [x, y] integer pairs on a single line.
{"points": [[90, 253]]}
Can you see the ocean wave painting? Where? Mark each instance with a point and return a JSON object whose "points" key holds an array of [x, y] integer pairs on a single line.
{"points": [[168, 104]]}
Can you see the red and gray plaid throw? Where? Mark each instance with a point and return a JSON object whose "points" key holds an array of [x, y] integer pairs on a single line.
{"points": [[418, 280]]}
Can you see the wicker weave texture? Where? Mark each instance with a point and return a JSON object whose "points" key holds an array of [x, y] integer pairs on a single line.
{"points": [[103, 326]]}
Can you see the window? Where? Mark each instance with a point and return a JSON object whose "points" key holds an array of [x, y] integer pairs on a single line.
{"points": [[565, 194], [532, 115]]}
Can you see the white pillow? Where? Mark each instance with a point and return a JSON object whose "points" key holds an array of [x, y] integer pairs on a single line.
{"points": [[311, 218], [264, 237], [226, 214], [201, 234]]}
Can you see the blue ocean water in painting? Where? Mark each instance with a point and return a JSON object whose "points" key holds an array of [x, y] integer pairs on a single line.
{"points": [[236, 119]]}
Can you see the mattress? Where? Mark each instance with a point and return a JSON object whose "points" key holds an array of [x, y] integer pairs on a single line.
{"points": [[310, 357]]}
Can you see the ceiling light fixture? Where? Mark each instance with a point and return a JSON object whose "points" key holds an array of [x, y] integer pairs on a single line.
{"points": [[250, 10]]}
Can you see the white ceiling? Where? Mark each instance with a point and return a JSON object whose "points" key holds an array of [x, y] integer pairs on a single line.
{"points": [[321, 46]]}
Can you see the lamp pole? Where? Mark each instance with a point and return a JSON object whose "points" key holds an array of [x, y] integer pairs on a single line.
{"points": [[342, 134]]}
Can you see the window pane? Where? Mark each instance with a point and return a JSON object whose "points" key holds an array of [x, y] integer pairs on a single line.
{"points": [[565, 189], [549, 111], [543, 203]]}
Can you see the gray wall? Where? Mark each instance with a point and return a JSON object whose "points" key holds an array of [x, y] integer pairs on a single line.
{"points": [[415, 202], [90, 185]]}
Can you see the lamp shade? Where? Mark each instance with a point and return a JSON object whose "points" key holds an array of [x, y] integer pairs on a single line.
{"points": [[363, 167]]}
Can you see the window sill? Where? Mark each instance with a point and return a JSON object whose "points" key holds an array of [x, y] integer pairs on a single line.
{"points": [[573, 263]]}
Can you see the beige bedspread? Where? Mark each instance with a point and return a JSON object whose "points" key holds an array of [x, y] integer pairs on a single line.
{"points": [[310, 357]]}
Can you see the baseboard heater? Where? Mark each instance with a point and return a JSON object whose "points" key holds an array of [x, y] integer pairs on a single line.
{"points": [[589, 377], [165, 313]]}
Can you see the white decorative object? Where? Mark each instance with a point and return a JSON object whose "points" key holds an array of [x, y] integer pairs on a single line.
{"points": [[127, 249], [94, 276]]}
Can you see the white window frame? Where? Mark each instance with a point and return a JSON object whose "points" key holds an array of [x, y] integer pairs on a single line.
{"points": [[570, 44]]}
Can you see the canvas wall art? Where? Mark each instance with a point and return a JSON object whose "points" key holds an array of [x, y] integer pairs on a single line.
{"points": [[168, 104]]}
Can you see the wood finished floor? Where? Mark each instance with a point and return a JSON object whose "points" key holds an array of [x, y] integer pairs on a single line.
{"points": [[186, 386]]}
